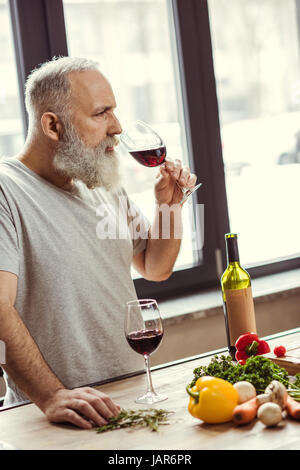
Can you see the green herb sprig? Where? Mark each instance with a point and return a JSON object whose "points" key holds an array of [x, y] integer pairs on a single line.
{"points": [[151, 418], [297, 380], [294, 388]]}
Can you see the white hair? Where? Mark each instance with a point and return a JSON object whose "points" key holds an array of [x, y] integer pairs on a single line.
{"points": [[48, 87]]}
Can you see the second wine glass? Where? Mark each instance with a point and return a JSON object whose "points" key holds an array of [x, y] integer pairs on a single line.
{"points": [[144, 331]]}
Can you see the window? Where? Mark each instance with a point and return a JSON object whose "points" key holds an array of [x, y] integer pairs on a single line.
{"points": [[256, 60], [131, 42], [11, 127]]}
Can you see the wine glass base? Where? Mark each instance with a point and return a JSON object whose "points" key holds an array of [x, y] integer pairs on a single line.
{"points": [[150, 398]]}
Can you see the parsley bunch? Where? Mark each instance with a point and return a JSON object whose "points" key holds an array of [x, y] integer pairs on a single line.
{"points": [[258, 370]]}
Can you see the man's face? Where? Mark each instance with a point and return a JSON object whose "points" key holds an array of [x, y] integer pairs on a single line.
{"points": [[86, 149], [93, 105]]}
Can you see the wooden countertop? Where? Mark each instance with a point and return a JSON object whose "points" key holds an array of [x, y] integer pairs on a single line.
{"points": [[25, 427]]}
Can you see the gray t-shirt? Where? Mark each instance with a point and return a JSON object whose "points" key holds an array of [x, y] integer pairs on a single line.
{"points": [[73, 285]]}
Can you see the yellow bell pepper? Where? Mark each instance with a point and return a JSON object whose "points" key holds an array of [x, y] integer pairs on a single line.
{"points": [[212, 400]]}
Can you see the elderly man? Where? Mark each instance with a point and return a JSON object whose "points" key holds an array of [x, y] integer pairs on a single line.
{"points": [[63, 290]]}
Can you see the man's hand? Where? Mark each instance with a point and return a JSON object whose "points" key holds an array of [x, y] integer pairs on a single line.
{"points": [[80, 406], [166, 189]]}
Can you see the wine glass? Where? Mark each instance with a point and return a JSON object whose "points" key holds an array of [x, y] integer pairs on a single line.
{"points": [[148, 148], [144, 331]]}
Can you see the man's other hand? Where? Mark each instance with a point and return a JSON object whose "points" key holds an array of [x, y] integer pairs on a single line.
{"points": [[83, 407]]}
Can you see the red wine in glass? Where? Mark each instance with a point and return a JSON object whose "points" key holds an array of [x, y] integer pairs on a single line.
{"points": [[150, 157], [145, 341], [148, 148]]}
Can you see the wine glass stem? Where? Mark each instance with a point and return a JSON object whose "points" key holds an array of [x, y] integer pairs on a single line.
{"points": [[150, 388]]}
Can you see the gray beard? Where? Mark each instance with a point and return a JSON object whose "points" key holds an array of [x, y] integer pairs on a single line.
{"points": [[93, 166]]}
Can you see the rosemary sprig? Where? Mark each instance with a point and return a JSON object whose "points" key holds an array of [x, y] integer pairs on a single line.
{"points": [[151, 418]]}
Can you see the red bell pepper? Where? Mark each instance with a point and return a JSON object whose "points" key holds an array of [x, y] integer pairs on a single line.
{"points": [[248, 345]]}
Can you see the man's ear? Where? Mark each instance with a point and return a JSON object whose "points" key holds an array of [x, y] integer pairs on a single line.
{"points": [[51, 126]]}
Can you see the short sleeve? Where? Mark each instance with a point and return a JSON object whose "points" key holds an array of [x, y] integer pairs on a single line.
{"points": [[9, 251], [138, 225]]}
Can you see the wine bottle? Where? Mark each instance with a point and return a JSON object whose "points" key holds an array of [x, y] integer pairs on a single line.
{"points": [[237, 296]]}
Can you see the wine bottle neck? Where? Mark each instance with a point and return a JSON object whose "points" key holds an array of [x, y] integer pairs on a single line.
{"points": [[234, 263], [232, 251]]}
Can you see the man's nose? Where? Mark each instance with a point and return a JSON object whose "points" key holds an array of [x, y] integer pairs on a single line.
{"points": [[115, 126]]}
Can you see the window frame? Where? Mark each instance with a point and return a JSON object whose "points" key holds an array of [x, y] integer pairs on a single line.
{"points": [[39, 34]]}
